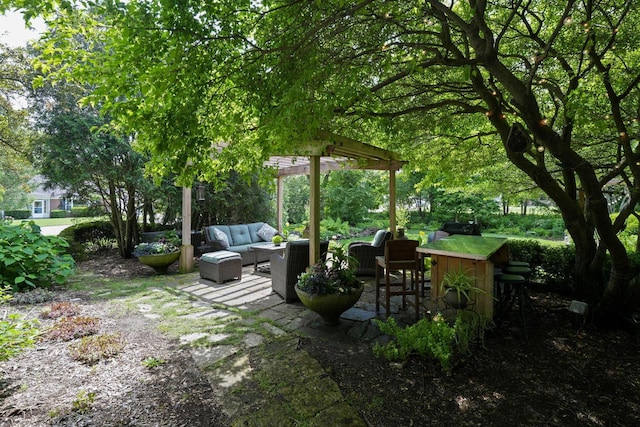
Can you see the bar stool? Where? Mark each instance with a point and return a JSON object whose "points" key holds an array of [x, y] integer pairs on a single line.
{"points": [[518, 283], [517, 264]]}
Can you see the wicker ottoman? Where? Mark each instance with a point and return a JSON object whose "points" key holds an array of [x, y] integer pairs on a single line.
{"points": [[220, 266]]}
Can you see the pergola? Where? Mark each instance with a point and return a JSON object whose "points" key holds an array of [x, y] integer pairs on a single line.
{"points": [[325, 153]]}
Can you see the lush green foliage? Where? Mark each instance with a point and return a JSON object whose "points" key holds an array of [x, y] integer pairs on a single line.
{"points": [[18, 213], [16, 333], [296, 199], [550, 225], [557, 268], [81, 212], [161, 246], [15, 132], [85, 236], [443, 83], [349, 195], [30, 259], [433, 338], [58, 213], [236, 200]]}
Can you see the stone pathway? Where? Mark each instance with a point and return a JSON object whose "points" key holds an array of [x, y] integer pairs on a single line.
{"points": [[294, 387]]}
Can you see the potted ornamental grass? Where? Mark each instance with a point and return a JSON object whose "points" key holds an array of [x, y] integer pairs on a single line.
{"points": [[457, 287], [159, 254], [330, 287]]}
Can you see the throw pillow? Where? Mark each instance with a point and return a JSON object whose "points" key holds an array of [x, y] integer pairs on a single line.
{"points": [[266, 232], [221, 237], [378, 240]]}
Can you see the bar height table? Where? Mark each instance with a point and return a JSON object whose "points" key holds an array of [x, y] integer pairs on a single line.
{"points": [[476, 255]]}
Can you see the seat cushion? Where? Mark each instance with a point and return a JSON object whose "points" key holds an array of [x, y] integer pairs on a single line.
{"points": [[254, 227], [240, 234], [378, 240], [216, 257]]}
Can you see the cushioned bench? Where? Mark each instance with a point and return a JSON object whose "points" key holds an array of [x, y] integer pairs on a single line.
{"points": [[220, 266]]}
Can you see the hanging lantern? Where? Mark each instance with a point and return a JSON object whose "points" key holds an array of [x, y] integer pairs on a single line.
{"points": [[518, 140], [200, 192]]}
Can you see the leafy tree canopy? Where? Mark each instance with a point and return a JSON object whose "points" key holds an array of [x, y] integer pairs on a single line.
{"points": [[441, 81]]}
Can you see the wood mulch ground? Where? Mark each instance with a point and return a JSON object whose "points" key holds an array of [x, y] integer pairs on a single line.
{"points": [[564, 374]]}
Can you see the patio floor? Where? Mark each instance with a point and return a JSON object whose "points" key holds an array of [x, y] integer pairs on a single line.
{"points": [[254, 293]]}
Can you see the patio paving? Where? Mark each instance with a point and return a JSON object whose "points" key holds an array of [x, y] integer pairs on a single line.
{"points": [[287, 322]]}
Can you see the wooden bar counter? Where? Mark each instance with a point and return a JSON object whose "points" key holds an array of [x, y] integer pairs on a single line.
{"points": [[476, 255]]}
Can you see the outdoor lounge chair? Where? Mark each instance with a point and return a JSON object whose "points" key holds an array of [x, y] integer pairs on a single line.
{"points": [[286, 269], [365, 253]]}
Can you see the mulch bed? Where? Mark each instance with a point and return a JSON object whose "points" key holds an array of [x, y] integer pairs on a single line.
{"points": [[564, 374]]}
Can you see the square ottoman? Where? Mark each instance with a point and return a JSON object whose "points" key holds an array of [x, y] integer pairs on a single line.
{"points": [[220, 266]]}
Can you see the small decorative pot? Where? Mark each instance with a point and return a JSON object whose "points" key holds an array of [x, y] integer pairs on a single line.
{"points": [[329, 307], [159, 262]]}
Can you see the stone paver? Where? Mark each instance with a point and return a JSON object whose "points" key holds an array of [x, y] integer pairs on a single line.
{"points": [[291, 383]]}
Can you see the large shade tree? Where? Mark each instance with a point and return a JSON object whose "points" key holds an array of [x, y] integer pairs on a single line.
{"points": [[15, 134], [443, 81]]}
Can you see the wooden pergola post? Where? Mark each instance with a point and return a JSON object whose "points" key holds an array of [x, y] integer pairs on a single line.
{"points": [[185, 263], [392, 202], [314, 210], [280, 203]]}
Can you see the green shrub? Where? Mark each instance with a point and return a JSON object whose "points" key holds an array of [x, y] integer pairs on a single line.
{"points": [[31, 260], [427, 338], [16, 333], [88, 236], [81, 211], [58, 213], [528, 250], [558, 266], [330, 227], [18, 213]]}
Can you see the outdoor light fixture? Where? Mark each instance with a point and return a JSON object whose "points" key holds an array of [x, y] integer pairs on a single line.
{"points": [[200, 192], [518, 140]]}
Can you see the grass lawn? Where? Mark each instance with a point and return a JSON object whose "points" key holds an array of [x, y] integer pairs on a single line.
{"points": [[49, 222]]}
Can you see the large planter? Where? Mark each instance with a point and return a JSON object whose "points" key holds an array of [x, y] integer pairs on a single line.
{"points": [[159, 262], [329, 307]]}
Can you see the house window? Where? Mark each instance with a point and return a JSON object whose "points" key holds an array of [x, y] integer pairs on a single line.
{"points": [[38, 207]]}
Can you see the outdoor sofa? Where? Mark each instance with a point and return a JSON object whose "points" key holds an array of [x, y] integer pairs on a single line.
{"points": [[239, 238]]}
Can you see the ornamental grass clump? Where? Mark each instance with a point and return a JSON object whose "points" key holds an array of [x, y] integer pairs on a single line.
{"points": [[167, 244], [336, 275]]}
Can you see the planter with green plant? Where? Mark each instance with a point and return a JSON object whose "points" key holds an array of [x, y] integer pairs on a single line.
{"points": [[457, 288], [160, 254], [277, 240], [330, 287]]}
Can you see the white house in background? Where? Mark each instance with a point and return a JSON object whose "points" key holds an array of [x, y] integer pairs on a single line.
{"points": [[44, 201]]}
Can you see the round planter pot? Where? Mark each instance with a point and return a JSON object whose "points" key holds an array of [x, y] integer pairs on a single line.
{"points": [[452, 300], [159, 262], [329, 307]]}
